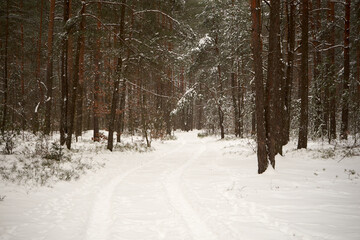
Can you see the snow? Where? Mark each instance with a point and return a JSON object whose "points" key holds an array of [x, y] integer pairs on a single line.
{"points": [[194, 188], [205, 40]]}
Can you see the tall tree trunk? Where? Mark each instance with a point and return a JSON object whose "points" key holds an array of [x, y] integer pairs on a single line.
{"points": [[256, 44], [39, 96], [304, 84], [6, 59], [22, 77], [290, 68], [96, 106], [119, 75], [346, 94], [64, 77], [357, 76], [317, 76], [49, 68], [273, 82], [331, 71], [80, 90], [75, 79]]}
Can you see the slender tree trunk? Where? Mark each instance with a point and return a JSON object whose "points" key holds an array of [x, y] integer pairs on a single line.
{"points": [[23, 117], [234, 89], [80, 90], [96, 109], [290, 68], [220, 111], [49, 68], [121, 120], [6, 59], [304, 84], [256, 44], [357, 76], [317, 76], [241, 98], [119, 76], [331, 71], [39, 96], [346, 94], [64, 77], [76, 77]]}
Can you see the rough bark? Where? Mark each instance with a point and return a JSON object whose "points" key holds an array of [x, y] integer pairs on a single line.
{"points": [[273, 83]]}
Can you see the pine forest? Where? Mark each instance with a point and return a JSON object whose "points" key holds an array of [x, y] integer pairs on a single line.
{"points": [[264, 80]]}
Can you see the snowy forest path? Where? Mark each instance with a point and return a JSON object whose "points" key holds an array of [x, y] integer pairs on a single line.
{"points": [[190, 188], [130, 201]]}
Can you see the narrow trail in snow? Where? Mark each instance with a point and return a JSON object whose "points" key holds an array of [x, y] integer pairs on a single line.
{"points": [[199, 229], [100, 219]]}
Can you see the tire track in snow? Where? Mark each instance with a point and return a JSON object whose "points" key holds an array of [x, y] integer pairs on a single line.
{"points": [[198, 228], [100, 218]]}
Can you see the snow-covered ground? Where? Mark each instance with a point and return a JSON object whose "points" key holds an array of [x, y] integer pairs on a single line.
{"points": [[194, 188]]}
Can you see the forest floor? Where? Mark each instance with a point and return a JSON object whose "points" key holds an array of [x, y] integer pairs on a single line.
{"points": [[192, 188]]}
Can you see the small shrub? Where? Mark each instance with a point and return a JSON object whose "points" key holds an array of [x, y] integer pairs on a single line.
{"points": [[56, 153], [203, 134], [41, 147], [327, 153], [135, 147], [169, 137], [2, 197], [351, 173], [100, 137], [9, 142]]}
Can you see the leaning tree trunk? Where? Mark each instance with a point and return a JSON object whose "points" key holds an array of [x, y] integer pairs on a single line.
{"points": [[304, 84], [256, 45]]}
